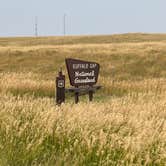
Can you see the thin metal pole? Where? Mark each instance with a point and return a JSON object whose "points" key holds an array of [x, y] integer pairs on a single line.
{"points": [[36, 26], [64, 24]]}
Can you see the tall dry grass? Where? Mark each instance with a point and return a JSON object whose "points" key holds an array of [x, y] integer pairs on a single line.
{"points": [[33, 84], [129, 130], [124, 131], [125, 125]]}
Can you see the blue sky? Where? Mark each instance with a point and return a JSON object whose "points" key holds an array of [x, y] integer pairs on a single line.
{"points": [[83, 17]]}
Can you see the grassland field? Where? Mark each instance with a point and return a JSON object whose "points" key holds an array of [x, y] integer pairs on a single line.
{"points": [[124, 125]]}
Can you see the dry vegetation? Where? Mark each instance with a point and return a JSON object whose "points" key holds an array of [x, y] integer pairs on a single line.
{"points": [[125, 125]]}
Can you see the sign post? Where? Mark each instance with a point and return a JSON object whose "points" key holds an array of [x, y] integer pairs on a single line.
{"points": [[76, 97], [60, 88], [90, 95]]}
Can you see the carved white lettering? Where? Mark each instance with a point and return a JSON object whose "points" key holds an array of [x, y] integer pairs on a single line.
{"points": [[92, 65], [84, 74], [80, 66], [86, 80]]}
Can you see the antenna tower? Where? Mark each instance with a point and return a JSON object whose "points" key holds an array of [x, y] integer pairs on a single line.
{"points": [[64, 24], [36, 26]]}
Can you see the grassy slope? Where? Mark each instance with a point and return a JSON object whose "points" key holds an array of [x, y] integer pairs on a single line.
{"points": [[128, 57], [129, 54], [31, 41], [127, 129]]}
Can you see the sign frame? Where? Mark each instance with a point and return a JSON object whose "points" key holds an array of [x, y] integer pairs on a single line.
{"points": [[82, 73]]}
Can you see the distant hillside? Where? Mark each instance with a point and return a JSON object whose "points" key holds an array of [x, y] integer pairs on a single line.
{"points": [[129, 38]]}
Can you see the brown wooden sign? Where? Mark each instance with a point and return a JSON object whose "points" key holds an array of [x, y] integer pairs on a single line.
{"points": [[82, 73]]}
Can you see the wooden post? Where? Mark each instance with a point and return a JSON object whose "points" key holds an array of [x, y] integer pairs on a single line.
{"points": [[60, 88], [90, 95], [76, 97]]}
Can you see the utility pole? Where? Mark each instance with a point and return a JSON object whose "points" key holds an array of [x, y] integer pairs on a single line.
{"points": [[36, 26], [64, 24]]}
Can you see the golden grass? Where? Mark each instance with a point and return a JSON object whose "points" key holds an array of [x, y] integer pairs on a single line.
{"points": [[120, 47], [131, 128], [125, 125], [24, 82]]}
